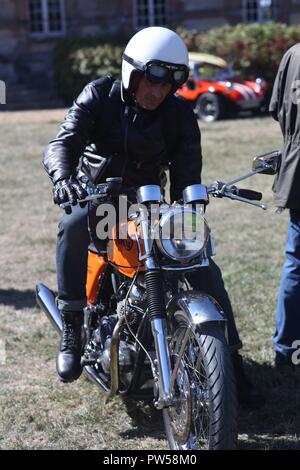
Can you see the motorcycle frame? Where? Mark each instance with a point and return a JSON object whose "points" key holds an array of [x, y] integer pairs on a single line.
{"points": [[199, 308]]}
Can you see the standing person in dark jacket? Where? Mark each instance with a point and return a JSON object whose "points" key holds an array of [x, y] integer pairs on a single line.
{"points": [[134, 129], [285, 108]]}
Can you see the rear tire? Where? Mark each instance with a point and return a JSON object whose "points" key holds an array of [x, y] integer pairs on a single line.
{"points": [[209, 386]]}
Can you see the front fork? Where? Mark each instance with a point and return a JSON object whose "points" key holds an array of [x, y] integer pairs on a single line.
{"points": [[162, 374], [157, 309], [157, 315]]}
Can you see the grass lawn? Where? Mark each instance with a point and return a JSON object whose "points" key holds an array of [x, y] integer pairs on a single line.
{"points": [[39, 412]]}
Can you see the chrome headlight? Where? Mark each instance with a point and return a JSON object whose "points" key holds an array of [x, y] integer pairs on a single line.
{"points": [[182, 233]]}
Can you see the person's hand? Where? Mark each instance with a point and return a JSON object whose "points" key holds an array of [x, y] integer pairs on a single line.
{"points": [[68, 190]]}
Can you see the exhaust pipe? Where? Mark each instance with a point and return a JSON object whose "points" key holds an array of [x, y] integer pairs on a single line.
{"points": [[46, 300]]}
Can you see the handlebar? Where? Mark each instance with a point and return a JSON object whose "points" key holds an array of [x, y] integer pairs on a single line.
{"points": [[112, 187], [219, 189], [80, 201]]}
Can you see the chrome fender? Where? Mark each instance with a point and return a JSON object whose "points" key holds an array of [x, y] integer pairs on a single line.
{"points": [[199, 307]]}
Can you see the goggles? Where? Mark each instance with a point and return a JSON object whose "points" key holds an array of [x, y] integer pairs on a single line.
{"points": [[161, 72]]}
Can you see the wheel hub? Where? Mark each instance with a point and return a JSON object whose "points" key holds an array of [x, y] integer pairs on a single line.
{"points": [[181, 412]]}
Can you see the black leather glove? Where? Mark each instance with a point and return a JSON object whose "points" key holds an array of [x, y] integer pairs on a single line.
{"points": [[68, 190]]}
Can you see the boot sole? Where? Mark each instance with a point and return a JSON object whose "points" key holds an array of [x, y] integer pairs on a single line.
{"points": [[61, 379]]}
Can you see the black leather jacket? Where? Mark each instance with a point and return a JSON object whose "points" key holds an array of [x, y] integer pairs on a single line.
{"points": [[104, 126]]}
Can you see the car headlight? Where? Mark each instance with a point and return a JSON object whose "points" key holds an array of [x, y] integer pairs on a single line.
{"points": [[261, 82], [181, 233]]}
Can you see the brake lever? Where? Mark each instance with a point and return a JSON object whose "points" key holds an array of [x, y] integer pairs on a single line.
{"points": [[219, 189], [64, 205], [101, 190], [230, 195]]}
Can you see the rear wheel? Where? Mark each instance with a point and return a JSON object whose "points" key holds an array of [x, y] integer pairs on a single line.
{"points": [[204, 413], [210, 107]]}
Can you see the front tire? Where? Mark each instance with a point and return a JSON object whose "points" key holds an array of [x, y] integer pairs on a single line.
{"points": [[210, 107], [204, 414]]}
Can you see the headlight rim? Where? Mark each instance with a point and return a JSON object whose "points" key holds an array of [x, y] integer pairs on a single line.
{"points": [[158, 239]]}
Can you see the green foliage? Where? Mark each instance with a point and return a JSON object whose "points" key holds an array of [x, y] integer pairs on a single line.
{"points": [[78, 61], [254, 49]]}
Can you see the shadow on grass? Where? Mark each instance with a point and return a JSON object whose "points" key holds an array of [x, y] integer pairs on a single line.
{"points": [[248, 115], [18, 298], [277, 424], [274, 426], [239, 116], [152, 430], [145, 419]]}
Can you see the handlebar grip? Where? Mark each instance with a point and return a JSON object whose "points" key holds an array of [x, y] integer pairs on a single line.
{"points": [[249, 194]]}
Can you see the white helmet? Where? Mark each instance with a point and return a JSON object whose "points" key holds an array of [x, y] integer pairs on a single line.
{"points": [[159, 53]]}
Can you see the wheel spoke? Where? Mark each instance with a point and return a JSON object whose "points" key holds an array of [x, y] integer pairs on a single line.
{"points": [[200, 418], [192, 365]]}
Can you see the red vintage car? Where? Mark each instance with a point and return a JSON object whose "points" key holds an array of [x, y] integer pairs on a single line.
{"points": [[217, 91]]}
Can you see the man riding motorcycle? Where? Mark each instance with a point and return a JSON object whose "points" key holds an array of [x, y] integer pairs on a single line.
{"points": [[133, 128]]}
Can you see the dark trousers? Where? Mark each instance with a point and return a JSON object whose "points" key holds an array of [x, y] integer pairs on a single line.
{"points": [[75, 231]]}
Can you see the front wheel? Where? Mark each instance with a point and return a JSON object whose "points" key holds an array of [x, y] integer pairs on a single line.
{"points": [[203, 415], [210, 107]]}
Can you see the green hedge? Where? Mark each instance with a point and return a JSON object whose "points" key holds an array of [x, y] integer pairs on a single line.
{"points": [[78, 61], [254, 49]]}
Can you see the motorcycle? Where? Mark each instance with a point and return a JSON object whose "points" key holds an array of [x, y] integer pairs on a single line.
{"points": [[147, 335]]}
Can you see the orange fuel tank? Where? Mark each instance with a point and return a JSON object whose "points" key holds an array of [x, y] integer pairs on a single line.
{"points": [[123, 253], [96, 269]]}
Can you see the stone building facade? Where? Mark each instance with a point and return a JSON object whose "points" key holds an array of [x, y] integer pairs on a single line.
{"points": [[30, 28]]}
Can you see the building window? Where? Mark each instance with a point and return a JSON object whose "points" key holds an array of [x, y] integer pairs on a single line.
{"points": [[258, 11], [149, 13], [47, 17]]}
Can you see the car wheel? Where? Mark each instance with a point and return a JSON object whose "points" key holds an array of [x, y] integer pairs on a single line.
{"points": [[210, 107]]}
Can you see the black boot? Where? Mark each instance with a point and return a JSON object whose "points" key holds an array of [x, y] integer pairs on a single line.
{"points": [[70, 348], [248, 397]]}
